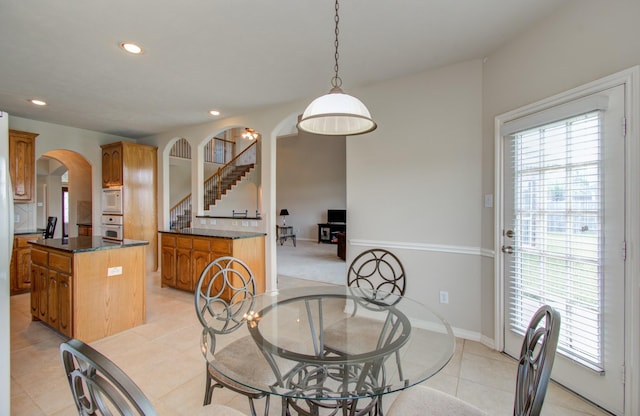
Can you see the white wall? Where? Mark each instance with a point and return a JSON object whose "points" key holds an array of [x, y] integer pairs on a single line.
{"points": [[179, 179], [413, 185]]}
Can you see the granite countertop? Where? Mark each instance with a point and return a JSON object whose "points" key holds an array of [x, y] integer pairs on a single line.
{"points": [[84, 244], [205, 232], [26, 232]]}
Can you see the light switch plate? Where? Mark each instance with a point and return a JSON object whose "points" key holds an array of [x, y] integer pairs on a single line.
{"points": [[488, 201]]}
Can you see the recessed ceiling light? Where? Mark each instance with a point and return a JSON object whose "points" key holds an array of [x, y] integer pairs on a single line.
{"points": [[214, 112], [35, 101], [131, 48]]}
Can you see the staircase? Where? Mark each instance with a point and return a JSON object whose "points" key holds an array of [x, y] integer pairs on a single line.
{"points": [[221, 182], [180, 214], [215, 187]]}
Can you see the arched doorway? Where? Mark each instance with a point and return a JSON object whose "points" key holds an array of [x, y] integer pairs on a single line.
{"points": [[56, 170], [307, 187]]}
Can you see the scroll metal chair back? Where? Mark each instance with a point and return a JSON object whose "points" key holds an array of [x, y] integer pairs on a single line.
{"points": [[377, 270], [220, 294], [534, 371], [222, 286], [377, 279], [100, 387], [536, 361]]}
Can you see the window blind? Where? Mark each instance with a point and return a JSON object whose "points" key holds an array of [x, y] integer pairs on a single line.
{"points": [[558, 215]]}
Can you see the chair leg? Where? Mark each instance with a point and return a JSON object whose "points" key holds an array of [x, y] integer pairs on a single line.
{"points": [[266, 405], [208, 389], [252, 407], [210, 385]]}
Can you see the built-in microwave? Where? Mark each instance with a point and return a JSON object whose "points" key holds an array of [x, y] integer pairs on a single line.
{"points": [[112, 201]]}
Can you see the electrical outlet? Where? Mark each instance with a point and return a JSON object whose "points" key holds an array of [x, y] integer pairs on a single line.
{"points": [[444, 296], [114, 271]]}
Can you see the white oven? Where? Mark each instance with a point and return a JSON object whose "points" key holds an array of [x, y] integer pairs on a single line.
{"points": [[112, 227], [112, 201]]}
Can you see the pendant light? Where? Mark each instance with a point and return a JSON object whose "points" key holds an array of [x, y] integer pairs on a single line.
{"points": [[336, 113]]}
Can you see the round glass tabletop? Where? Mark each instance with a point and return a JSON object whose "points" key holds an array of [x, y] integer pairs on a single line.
{"points": [[329, 343]]}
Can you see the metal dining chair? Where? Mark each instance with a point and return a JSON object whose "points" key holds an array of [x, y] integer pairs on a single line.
{"points": [[222, 284], [534, 371], [381, 277], [100, 387], [379, 273]]}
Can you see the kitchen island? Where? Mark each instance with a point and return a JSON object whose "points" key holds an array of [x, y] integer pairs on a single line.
{"points": [[185, 253], [88, 287]]}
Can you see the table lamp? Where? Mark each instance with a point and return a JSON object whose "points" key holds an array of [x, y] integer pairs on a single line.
{"points": [[283, 214]]}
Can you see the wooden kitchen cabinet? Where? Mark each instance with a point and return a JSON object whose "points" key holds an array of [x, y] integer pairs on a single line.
{"points": [[59, 301], [40, 278], [40, 284], [112, 165], [51, 297], [184, 280], [22, 162], [133, 167], [20, 268], [201, 255], [184, 257], [59, 292], [85, 230], [168, 255]]}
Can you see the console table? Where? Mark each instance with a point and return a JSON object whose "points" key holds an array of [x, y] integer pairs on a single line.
{"points": [[284, 232], [327, 232]]}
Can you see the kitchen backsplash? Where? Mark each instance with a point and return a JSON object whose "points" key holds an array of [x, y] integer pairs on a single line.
{"points": [[24, 217], [84, 212]]}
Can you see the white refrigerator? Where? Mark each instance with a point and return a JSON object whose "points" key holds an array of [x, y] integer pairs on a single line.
{"points": [[6, 246]]}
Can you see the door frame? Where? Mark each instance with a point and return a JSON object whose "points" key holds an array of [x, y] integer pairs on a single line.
{"points": [[630, 78]]}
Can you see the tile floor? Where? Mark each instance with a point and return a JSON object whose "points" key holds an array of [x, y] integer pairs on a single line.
{"points": [[163, 357]]}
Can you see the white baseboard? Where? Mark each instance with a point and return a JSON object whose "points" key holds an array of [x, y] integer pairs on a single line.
{"points": [[474, 336]]}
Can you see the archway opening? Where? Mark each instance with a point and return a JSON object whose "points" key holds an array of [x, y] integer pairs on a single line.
{"points": [[64, 190]]}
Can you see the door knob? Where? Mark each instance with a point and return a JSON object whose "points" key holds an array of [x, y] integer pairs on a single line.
{"points": [[507, 249], [510, 234]]}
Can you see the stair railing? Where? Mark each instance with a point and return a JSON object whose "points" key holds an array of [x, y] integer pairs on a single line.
{"points": [[178, 212], [213, 184]]}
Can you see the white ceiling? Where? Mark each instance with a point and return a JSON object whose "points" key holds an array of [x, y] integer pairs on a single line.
{"points": [[231, 55]]}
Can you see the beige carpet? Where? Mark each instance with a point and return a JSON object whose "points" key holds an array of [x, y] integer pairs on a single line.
{"points": [[311, 261]]}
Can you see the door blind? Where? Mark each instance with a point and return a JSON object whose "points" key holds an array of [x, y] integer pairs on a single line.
{"points": [[558, 209]]}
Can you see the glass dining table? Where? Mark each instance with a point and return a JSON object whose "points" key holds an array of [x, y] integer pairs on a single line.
{"points": [[332, 349]]}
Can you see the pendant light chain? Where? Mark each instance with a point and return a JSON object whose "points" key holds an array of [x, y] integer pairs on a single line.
{"points": [[336, 81], [336, 113]]}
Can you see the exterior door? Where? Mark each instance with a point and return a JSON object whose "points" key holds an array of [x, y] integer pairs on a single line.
{"points": [[563, 237]]}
